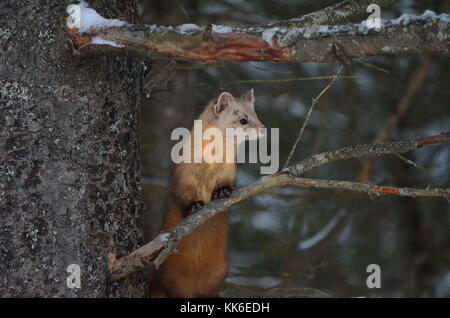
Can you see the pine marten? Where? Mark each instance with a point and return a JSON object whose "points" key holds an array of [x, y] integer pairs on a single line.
{"points": [[199, 270]]}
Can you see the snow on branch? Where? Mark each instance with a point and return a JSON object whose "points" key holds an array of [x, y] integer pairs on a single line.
{"points": [[282, 42], [157, 251], [338, 13]]}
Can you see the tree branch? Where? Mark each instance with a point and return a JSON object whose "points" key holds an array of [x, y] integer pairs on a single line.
{"points": [[281, 43], [338, 13], [138, 259], [369, 188], [157, 251]]}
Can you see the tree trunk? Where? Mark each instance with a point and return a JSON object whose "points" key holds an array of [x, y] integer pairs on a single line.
{"points": [[69, 156]]}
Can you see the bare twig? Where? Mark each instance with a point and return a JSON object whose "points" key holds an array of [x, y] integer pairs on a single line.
{"points": [[160, 73], [291, 176], [410, 162], [138, 259], [413, 86], [392, 120], [287, 80], [254, 82], [305, 122], [370, 189], [372, 66], [269, 70]]}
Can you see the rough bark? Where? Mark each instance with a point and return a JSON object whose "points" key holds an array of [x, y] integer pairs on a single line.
{"points": [[69, 159]]}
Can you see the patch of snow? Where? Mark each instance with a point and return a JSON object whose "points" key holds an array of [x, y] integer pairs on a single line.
{"points": [[84, 18], [363, 28], [443, 17], [163, 237], [322, 234], [152, 27], [290, 34], [221, 29], [427, 15], [187, 28], [296, 108], [266, 221], [99, 40], [404, 18], [268, 34]]}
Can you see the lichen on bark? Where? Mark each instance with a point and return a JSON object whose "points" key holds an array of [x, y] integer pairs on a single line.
{"points": [[69, 158]]}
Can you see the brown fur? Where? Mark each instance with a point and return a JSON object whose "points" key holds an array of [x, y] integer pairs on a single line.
{"points": [[200, 269]]}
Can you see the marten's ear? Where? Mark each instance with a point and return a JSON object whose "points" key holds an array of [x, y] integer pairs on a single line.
{"points": [[249, 97], [223, 102]]}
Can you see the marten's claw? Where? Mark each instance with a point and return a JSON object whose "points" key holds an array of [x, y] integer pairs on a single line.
{"points": [[222, 193], [193, 207]]}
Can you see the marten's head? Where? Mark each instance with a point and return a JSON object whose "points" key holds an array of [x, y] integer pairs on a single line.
{"points": [[226, 111]]}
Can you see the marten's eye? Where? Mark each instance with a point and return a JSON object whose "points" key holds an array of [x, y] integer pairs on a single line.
{"points": [[243, 121]]}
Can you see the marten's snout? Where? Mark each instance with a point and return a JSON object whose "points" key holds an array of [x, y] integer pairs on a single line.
{"points": [[260, 128], [256, 131]]}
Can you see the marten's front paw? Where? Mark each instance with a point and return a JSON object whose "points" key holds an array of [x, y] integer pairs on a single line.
{"points": [[193, 207], [222, 193]]}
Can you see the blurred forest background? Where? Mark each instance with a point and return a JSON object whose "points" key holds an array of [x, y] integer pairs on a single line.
{"points": [[294, 242]]}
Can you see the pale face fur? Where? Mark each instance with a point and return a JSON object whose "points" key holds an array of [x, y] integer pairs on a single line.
{"points": [[230, 112]]}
